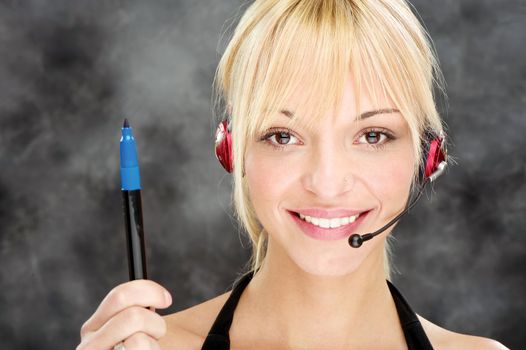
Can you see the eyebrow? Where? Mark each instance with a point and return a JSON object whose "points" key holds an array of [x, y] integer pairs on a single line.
{"points": [[364, 115]]}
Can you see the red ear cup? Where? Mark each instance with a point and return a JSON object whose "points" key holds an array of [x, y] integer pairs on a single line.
{"points": [[436, 159], [223, 146]]}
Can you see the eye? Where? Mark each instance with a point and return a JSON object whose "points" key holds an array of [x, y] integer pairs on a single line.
{"points": [[374, 137], [280, 137]]}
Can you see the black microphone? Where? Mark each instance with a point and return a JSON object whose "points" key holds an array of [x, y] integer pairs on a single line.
{"points": [[357, 240]]}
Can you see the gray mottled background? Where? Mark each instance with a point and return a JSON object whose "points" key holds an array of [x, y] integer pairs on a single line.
{"points": [[71, 70]]}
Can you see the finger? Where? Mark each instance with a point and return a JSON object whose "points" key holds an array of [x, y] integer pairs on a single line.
{"points": [[123, 325], [135, 293], [141, 341]]}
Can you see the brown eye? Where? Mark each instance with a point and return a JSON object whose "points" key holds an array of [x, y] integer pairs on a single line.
{"points": [[282, 138], [373, 137]]}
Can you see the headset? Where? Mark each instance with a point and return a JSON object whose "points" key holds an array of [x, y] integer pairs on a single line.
{"points": [[434, 164], [223, 146]]}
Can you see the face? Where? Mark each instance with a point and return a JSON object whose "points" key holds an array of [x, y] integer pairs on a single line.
{"points": [[313, 188]]}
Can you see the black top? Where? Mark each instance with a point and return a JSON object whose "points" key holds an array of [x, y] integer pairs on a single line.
{"points": [[218, 338]]}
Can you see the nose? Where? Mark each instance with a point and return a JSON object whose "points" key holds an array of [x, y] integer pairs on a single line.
{"points": [[329, 172]]}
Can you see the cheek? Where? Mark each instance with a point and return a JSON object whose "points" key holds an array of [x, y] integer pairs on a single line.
{"points": [[392, 184], [268, 181], [273, 180]]}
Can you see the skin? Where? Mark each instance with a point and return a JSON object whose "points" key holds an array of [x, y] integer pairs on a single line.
{"points": [[309, 294]]}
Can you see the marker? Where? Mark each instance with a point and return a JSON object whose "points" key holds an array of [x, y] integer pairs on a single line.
{"points": [[131, 200]]}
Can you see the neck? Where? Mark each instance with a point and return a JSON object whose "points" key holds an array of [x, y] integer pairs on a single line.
{"points": [[303, 310]]}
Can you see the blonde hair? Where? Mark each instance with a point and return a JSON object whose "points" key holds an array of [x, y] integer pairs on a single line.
{"points": [[280, 46]]}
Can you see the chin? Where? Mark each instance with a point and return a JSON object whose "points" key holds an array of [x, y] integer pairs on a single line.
{"points": [[324, 271], [330, 264]]}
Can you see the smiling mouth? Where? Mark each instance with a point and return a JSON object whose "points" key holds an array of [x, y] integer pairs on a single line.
{"points": [[328, 229], [329, 223]]}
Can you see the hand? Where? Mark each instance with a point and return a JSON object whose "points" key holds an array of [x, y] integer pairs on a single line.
{"points": [[123, 317]]}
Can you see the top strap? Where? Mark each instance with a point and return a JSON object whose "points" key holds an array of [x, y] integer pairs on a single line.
{"points": [[414, 334], [218, 337]]}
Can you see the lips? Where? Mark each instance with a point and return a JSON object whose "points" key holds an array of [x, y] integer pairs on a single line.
{"points": [[328, 234]]}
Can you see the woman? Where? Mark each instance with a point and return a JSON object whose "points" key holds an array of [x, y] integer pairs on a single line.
{"points": [[330, 105]]}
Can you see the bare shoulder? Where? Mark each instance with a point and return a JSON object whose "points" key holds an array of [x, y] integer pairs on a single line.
{"points": [[443, 339], [187, 329]]}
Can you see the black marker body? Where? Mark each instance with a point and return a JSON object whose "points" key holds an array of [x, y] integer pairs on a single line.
{"points": [[131, 201]]}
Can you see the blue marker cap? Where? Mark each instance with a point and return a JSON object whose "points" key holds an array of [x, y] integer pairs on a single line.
{"points": [[130, 178]]}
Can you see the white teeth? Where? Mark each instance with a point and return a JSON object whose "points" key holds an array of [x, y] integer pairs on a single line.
{"points": [[325, 223], [335, 222], [329, 223]]}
